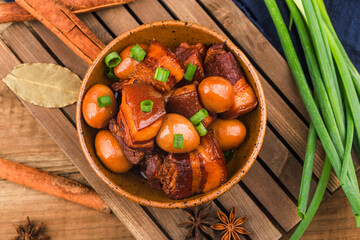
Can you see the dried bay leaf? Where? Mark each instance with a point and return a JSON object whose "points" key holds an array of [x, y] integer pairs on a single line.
{"points": [[44, 84]]}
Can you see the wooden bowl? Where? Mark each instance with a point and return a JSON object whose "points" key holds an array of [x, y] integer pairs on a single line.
{"points": [[172, 33]]}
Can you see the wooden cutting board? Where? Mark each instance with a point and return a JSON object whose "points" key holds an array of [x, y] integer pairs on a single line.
{"points": [[268, 193]]}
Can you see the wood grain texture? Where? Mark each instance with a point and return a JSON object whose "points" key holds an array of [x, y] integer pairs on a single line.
{"points": [[141, 9], [268, 193], [62, 219], [117, 19], [258, 224], [277, 160], [334, 220], [64, 134], [283, 164]]}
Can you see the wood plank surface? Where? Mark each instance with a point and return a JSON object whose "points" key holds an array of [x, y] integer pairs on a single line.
{"points": [[63, 220], [272, 198], [333, 220], [278, 164], [257, 221], [64, 134]]}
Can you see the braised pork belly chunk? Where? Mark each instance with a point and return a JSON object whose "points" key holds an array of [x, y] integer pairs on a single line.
{"points": [[201, 170], [140, 127], [171, 113], [160, 56], [193, 54], [218, 62], [133, 155], [185, 101]]}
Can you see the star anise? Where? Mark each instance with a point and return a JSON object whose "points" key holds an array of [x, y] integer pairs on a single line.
{"points": [[199, 222], [230, 226], [29, 231]]}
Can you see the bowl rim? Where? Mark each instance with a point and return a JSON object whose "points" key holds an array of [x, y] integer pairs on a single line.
{"points": [[209, 195]]}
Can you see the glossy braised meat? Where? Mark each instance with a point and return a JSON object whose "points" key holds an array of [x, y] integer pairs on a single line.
{"points": [[175, 175], [213, 161], [153, 162], [185, 101], [134, 156], [244, 101], [117, 86], [158, 55], [140, 127], [193, 54], [201, 170], [221, 63], [218, 62]]}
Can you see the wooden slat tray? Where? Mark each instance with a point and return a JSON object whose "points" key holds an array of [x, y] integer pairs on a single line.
{"points": [[267, 195]]}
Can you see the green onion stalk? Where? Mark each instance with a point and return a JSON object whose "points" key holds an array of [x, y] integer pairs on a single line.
{"points": [[315, 203], [303, 86], [321, 67], [307, 172], [322, 51], [354, 73], [319, 88]]}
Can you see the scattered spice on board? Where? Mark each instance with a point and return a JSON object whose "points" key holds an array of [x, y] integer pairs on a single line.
{"points": [[30, 231], [230, 226], [199, 222]]}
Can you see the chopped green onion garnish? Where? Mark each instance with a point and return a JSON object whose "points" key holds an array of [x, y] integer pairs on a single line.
{"points": [[228, 155], [190, 71], [178, 141], [112, 59], [104, 101], [146, 105], [137, 53], [109, 72], [162, 74], [199, 116], [201, 129]]}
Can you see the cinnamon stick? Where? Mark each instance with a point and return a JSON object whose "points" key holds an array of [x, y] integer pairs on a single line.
{"points": [[12, 12], [52, 184], [64, 24]]}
